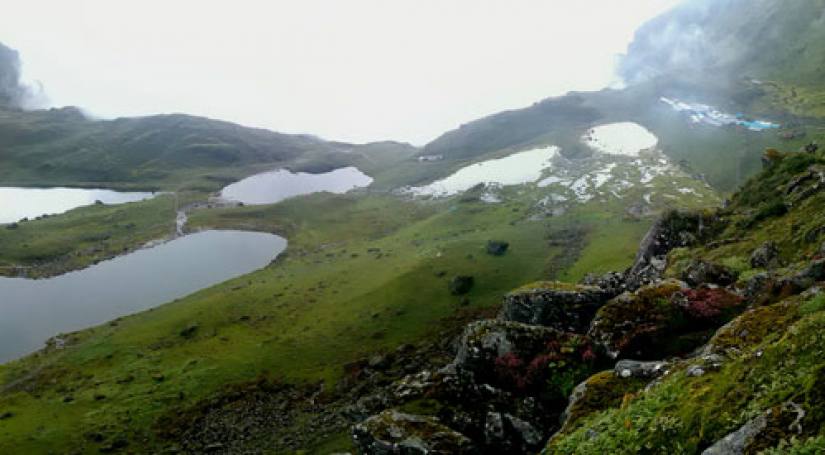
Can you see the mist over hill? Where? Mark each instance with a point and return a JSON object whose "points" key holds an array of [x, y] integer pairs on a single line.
{"points": [[733, 39], [11, 92], [608, 302]]}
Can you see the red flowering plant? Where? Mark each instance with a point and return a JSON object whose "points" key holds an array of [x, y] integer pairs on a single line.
{"points": [[708, 304], [554, 371]]}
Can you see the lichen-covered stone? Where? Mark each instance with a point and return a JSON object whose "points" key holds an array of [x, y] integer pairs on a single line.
{"points": [[392, 432], [563, 308], [632, 324], [700, 272], [505, 433], [750, 328], [765, 431], [641, 370], [766, 256], [485, 341], [674, 229]]}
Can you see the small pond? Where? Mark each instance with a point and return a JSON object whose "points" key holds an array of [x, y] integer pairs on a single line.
{"points": [[274, 186], [515, 169]]}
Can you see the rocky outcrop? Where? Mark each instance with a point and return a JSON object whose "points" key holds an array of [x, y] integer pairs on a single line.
{"points": [[674, 229], [700, 272], [632, 324], [766, 256], [764, 431], [392, 432], [611, 283], [563, 307], [640, 370], [805, 184], [509, 434], [515, 355]]}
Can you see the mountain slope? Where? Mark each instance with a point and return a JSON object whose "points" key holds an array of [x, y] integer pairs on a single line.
{"points": [[65, 147], [62, 146], [732, 39]]}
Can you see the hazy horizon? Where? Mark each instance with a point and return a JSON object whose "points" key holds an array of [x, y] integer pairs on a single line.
{"points": [[358, 71]]}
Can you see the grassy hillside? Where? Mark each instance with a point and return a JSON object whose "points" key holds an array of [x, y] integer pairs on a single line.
{"points": [[63, 147], [362, 274], [83, 236], [767, 362]]}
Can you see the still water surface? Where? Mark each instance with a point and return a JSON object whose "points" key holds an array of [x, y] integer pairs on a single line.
{"points": [[18, 203], [31, 311], [273, 186]]}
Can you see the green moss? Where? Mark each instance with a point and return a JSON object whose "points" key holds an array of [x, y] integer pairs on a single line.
{"points": [[799, 446], [422, 406], [812, 305], [684, 414], [604, 390], [551, 285], [752, 327], [737, 264]]}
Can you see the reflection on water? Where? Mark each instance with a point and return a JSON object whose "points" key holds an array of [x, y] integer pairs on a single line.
{"points": [[32, 311], [518, 168], [18, 203], [274, 186]]}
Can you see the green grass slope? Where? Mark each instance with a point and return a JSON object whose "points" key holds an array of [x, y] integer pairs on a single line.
{"points": [[55, 244], [770, 357], [362, 274], [63, 147]]}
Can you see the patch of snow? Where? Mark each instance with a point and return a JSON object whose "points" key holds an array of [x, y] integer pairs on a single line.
{"points": [[702, 113], [580, 187], [602, 176], [553, 179]]}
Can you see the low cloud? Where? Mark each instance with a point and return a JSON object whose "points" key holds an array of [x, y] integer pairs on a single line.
{"points": [[12, 91]]}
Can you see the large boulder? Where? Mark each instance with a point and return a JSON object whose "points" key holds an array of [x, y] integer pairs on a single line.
{"points": [[505, 433], [612, 283], [663, 320], [461, 284], [561, 306], [700, 272], [522, 357], [634, 324], [392, 432], [766, 256]]}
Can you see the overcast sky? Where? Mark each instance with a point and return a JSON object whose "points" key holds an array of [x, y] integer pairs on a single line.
{"points": [[353, 70]]}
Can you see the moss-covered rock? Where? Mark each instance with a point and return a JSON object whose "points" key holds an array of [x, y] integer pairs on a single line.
{"points": [[599, 392], [674, 229], [562, 307], [633, 324], [393, 432], [524, 358]]}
